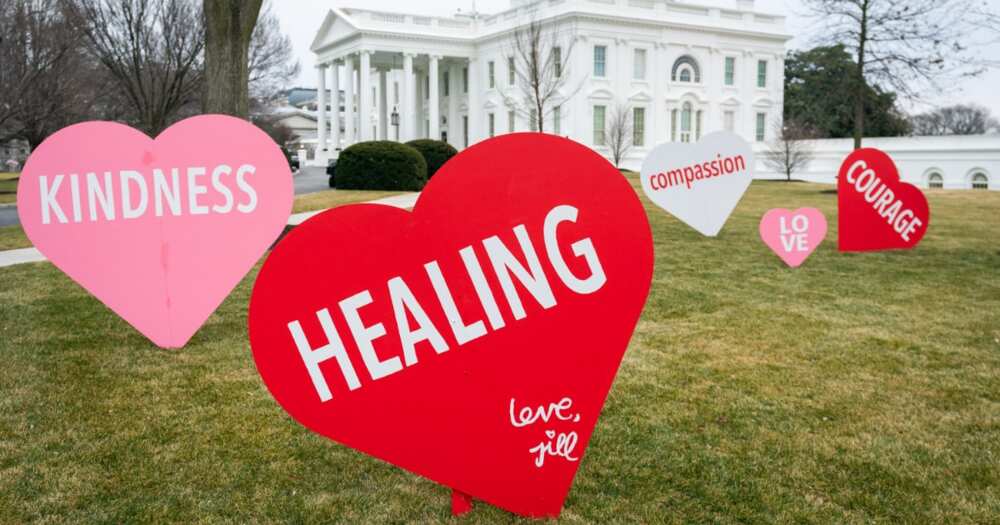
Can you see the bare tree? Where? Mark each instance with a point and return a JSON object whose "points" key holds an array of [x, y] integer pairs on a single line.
{"points": [[272, 64], [788, 152], [229, 27], [618, 132], [960, 119], [152, 50], [907, 46], [541, 58]]}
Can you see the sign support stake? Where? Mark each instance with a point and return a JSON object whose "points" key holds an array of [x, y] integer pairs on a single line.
{"points": [[461, 503]]}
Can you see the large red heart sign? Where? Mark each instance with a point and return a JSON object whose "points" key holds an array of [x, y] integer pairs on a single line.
{"points": [[474, 340], [877, 211]]}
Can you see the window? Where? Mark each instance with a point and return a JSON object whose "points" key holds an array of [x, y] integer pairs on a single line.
{"points": [[600, 56], [493, 121], [510, 121], [730, 71], [446, 86], [493, 81], [980, 182], [639, 64], [697, 125], [465, 80], [533, 121], [557, 60], [762, 73], [686, 64], [729, 120], [673, 126], [761, 121], [935, 181], [686, 122], [557, 120], [685, 75], [639, 127], [465, 130], [599, 125], [511, 72]]}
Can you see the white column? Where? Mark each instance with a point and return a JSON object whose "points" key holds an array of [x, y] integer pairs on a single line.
{"points": [[474, 103], [406, 118], [454, 95], [418, 109], [435, 101], [365, 98], [349, 136], [335, 109], [383, 105], [321, 113]]}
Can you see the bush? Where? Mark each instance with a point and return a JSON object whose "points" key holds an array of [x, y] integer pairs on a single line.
{"points": [[381, 165], [435, 153]]}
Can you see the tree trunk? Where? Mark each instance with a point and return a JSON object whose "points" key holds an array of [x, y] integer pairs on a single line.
{"points": [[228, 27], [859, 99]]}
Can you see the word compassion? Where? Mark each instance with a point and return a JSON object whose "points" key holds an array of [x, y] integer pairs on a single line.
{"points": [[883, 200], [559, 444], [696, 172], [405, 306], [126, 195]]}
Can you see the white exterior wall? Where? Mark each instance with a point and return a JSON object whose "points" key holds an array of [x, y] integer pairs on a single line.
{"points": [[956, 158]]}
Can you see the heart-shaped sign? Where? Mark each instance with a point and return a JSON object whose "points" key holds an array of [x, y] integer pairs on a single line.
{"points": [[159, 230], [474, 340], [700, 183], [793, 235], [877, 211]]}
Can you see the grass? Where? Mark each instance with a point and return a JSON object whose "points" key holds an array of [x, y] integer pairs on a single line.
{"points": [[8, 187], [12, 237], [858, 388]]}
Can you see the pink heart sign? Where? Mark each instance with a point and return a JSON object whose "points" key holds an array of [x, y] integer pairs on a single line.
{"points": [[793, 235], [159, 230]]}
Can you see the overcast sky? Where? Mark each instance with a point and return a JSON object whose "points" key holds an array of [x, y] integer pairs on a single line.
{"points": [[301, 18]]}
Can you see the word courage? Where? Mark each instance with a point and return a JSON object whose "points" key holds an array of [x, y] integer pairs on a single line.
{"points": [[405, 306], [883, 200]]}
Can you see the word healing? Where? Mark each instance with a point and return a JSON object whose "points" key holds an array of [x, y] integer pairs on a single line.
{"points": [[506, 268], [902, 219], [556, 444], [126, 194], [695, 172]]}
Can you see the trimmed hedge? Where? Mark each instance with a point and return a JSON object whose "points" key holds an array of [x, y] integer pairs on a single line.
{"points": [[381, 165], [435, 152]]}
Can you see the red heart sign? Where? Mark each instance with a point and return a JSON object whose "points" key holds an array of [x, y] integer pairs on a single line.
{"points": [[877, 211], [474, 340]]}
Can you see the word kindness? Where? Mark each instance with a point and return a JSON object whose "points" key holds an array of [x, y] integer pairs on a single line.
{"points": [[130, 194], [884, 201], [506, 267], [696, 172]]}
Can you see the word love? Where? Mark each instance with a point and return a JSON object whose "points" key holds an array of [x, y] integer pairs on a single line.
{"points": [[875, 210], [793, 236], [507, 269], [126, 194], [561, 444]]}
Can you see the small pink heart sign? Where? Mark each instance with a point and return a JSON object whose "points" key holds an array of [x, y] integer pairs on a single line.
{"points": [[793, 235], [159, 230]]}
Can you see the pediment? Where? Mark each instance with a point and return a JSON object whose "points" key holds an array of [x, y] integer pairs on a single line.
{"points": [[336, 26]]}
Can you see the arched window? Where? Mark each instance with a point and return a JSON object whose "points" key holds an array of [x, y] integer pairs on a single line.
{"points": [[980, 181], [685, 69], [935, 181], [686, 122]]}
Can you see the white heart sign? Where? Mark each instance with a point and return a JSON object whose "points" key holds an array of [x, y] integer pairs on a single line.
{"points": [[700, 183]]}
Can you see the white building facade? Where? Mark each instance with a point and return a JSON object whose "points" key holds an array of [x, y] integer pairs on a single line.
{"points": [[681, 69]]}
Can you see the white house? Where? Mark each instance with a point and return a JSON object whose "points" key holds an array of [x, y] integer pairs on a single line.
{"points": [[683, 69]]}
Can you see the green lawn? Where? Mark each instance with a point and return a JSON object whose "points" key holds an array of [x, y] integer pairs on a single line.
{"points": [[8, 187], [857, 388], [12, 237]]}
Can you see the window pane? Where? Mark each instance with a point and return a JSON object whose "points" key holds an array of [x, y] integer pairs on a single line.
{"points": [[465, 80], [599, 125], [492, 125], [639, 69], [557, 120], [730, 71], [510, 121], [465, 130], [762, 73], [599, 60], [446, 87], [557, 60], [492, 78], [685, 75], [639, 126], [761, 120], [980, 182], [510, 71]]}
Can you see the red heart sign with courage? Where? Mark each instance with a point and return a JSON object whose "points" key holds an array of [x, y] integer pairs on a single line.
{"points": [[474, 340], [876, 210]]}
